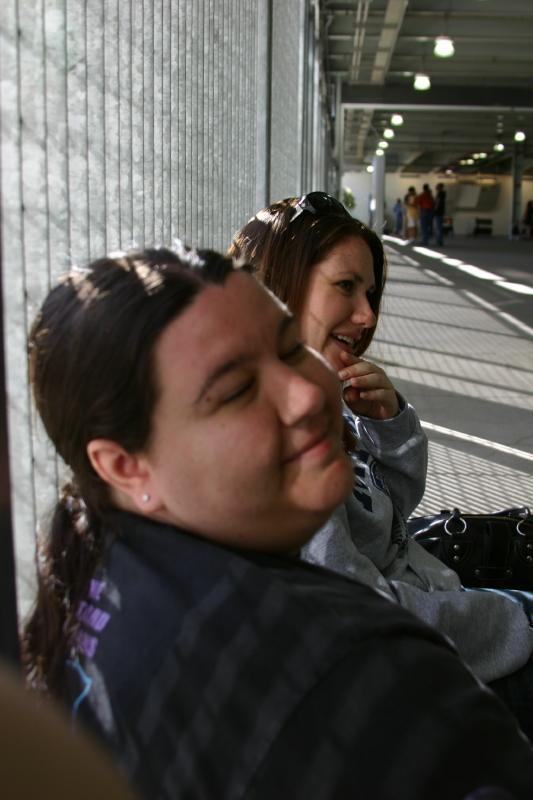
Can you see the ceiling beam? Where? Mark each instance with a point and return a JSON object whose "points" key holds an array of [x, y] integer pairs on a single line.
{"points": [[473, 98]]}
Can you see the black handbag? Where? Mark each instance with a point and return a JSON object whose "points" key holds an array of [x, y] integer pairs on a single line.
{"points": [[493, 550]]}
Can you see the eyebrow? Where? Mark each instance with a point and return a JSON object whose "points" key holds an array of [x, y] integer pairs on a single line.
{"points": [[286, 322]]}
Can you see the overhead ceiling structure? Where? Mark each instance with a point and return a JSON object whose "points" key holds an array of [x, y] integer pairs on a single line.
{"points": [[479, 97]]}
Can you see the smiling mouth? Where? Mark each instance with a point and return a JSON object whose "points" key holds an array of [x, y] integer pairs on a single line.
{"points": [[318, 446], [348, 342]]}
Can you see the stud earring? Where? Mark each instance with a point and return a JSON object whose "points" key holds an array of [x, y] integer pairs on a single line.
{"points": [[145, 497]]}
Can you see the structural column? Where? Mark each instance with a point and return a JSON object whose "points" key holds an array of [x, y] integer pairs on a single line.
{"points": [[516, 191], [377, 208]]}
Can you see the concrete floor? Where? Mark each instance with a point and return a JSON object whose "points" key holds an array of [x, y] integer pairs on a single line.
{"points": [[467, 369]]}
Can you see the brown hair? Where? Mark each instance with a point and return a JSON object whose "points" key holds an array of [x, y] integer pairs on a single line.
{"points": [[283, 248]]}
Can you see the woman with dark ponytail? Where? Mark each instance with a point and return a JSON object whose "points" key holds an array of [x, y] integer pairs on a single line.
{"points": [[174, 617]]}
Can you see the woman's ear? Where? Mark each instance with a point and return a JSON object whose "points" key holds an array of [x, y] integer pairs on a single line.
{"points": [[126, 473]]}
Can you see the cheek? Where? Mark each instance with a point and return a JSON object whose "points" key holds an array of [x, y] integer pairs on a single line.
{"points": [[323, 374], [239, 452]]}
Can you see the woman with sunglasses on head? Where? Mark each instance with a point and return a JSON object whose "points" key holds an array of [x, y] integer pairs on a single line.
{"points": [[173, 615], [330, 270]]}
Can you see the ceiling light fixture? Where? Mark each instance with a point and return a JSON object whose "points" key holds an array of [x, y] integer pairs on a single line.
{"points": [[499, 146], [396, 119], [482, 155], [388, 133], [370, 168], [519, 136], [380, 152], [443, 47], [383, 144], [422, 82]]}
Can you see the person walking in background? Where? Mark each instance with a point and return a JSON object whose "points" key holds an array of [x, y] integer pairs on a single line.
{"points": [[426, 204], [397, 210], [438, 213], [411, 214]]}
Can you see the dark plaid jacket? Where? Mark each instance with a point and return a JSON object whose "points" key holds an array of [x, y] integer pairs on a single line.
{"points": [[222, 675]]}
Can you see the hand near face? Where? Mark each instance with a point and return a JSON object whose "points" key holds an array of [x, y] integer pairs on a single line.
{"points": [[369, 392]]}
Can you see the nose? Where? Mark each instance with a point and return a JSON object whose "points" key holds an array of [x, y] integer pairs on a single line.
{"points": [[296, 396], [362, 313]]}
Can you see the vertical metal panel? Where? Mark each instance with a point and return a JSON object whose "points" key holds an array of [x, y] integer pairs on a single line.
{"points": [[181, 113], [159, 115], [285, 150], [111, 127], [137, 119], [264, 90], [55, 95], [77, 129], [166, 153], [95, 126], [124, 155], [148, 121], [173, 158]]}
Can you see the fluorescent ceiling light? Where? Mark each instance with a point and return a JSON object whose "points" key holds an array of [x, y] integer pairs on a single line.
{"points": [[499, 147], [370, 168], [383, 144], [422, 82], [519, 136], [396, 119], [444, 47], [388, 133], [380, 152]]}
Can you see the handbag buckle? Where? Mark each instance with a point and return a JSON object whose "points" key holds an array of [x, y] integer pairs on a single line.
{"points": [[527, 519], [454, 518]]}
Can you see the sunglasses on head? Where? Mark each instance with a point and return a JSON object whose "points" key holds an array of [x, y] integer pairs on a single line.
{"points": [[320, 204]]}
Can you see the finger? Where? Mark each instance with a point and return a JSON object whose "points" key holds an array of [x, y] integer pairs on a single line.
{"points": [[370, 381], [348, 358], [360, 369]]}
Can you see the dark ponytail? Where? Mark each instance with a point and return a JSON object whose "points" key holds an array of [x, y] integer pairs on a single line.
{"points": [[66, 561]]}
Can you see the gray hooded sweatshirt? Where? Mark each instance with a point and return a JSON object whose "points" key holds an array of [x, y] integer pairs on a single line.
{"points": [[366, 538]]}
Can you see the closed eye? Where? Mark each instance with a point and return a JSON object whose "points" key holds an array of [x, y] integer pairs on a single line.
{"points": [[240, 391]]}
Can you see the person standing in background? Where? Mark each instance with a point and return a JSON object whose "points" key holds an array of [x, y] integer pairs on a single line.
{"points": [[426, 205], [397, 210], [438, 213], [411, 214], [528, 219]]}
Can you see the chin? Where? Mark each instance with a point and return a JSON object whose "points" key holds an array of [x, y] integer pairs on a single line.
{"points": [[335, 489]]}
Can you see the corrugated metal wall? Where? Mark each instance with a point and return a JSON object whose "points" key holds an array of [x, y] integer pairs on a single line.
{"points": [[130, 122]]}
